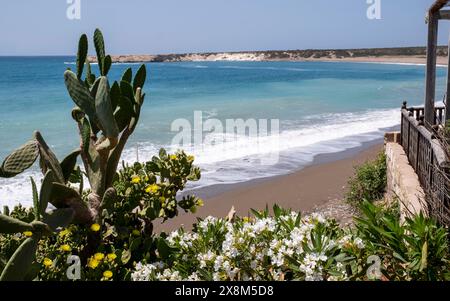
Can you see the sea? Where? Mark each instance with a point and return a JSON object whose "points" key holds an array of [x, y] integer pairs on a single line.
{"points": [[301, 109]]}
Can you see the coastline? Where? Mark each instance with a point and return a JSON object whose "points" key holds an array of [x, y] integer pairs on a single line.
{"points": [[321, 182], [396, 55]]}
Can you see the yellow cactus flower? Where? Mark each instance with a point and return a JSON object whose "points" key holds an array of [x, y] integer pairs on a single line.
{"points": [[200, 202], [107, 274], [47, 262], [99, 256], [246, 219], [65, 248], [152, 188], [28, 233], [111, 256], [95, 227], [93, 263], [173, 157], [64, 232], [135, 179]]}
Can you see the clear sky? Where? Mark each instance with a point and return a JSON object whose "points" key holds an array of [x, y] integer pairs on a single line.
{"points": [[41, 27]]}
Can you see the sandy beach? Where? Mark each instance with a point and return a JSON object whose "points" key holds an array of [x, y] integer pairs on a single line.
{"points": [[441, 60], [323, 181]]}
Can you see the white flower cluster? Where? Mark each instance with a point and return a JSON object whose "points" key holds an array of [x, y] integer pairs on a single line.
{"points": [[266, 248]]}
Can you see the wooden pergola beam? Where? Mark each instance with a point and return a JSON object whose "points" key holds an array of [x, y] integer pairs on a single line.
{"points": [[438, 5], [444, 15], [430, 82]]}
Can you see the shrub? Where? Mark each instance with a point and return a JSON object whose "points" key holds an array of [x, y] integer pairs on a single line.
{"points": [[369, 182], [290, 247]]}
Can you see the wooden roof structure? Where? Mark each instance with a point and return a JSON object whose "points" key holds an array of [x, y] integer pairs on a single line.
{"points": [[436, 13], [438, 5]]}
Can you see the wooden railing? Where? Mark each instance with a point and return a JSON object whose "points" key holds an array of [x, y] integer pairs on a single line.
{"points": [[427, 156]]}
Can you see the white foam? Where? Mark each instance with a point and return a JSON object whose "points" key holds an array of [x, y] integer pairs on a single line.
{"points": [[239, 158]]}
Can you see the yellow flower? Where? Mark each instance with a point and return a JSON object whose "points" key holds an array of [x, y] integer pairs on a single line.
{"points": [[200, 202], [152, 188], [246, 219], [64, 232], [135, 179], [173, 157], [28, 233], [66, 248], [107, 274], [136, 232], [111, 256], [47, 262], [99, 256], [93, 263], [95, 227]]}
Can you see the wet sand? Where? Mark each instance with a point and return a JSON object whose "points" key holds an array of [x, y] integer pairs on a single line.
{"points": [[323, 181]]}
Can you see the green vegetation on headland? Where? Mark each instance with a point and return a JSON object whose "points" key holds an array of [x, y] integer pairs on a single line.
{"points": [[282, 55], [106, 233]]}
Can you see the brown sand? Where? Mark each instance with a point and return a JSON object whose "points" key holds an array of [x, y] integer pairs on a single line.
{"points": [[302, 190]]}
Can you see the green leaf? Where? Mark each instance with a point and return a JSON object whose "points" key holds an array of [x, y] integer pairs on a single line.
{"points": [[80, 94], [104, 110], [35, 200], [68, 164], [115, 95], [48, 159], [46, 191], [107, 62], [82, 54], [59, 218], [85, 135], [126, 256], [20, 160], [127, 90], [108, 198], [124, 113], [10, 225], [424, 261], [19, 264], [139, 79], [135, 243], [90, 78], [99, 48], [127, 75], [163, 248], [60, 193]]}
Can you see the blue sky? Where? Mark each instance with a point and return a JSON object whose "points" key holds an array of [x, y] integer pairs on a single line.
{"points": [[41, 27]]}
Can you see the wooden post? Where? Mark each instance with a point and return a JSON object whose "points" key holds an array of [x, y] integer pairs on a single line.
{"points": [[447, 98], [430, 84]]}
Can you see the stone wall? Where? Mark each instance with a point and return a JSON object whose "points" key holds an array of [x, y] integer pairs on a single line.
{"points": [[402, 181]]}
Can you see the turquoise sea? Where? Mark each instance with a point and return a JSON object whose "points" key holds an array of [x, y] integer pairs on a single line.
{"points": [[321, 107]]}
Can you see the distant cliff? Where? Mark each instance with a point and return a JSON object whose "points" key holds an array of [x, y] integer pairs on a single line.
{"points": [[284, 55]]}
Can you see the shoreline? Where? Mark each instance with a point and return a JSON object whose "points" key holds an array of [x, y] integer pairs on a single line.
{"points": [[395, 55], [321, 182]]}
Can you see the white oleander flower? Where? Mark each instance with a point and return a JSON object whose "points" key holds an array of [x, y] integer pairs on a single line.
{"points": [[359, 243]]}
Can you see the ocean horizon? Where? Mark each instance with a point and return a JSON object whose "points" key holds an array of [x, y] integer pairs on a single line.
{"points": [[322, 107]]}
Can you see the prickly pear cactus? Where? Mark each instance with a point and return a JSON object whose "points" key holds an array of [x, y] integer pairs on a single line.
{"points": [[20, 160]]}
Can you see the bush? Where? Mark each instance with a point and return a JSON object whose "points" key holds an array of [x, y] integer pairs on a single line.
{"points": [[145, 192], [369, 182], [290, 247]]}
